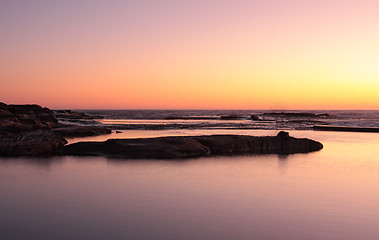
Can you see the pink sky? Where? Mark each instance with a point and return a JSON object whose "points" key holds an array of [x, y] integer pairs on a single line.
{"points": [[191, 54]]}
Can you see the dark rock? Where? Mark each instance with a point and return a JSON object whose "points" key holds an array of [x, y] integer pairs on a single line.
{"points": [[174, 117], [306, 121], [34, 130], [69, 114], [33, 143], [283, 134], [193, 146], [16, 119], [69, 117], [118, 132], [81, 131], [231, 117], [345, 128], [296, 114], [255, 117]]}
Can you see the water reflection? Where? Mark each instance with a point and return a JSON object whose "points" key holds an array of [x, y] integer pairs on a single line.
{"points": [[40, 162], [283, 162], [330, 195]]}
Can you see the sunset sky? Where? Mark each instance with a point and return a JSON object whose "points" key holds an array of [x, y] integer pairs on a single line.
{"points": [[172, 54]]}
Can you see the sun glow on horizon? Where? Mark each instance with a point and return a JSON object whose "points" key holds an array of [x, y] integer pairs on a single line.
{"points": [[201, 55]]}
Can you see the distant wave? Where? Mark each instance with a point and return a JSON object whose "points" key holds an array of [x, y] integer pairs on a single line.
{"points": [[233, 119]]}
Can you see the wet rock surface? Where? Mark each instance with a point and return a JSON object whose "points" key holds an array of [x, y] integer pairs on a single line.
{"points": [[81, 131], [192, 146], [34, 143]]}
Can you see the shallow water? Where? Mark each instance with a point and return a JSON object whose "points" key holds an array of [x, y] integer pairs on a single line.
{"points": [[330, 194]]}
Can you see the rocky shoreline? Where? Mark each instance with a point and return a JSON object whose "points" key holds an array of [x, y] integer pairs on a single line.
{"points": [[31, 130], [192, 146]]}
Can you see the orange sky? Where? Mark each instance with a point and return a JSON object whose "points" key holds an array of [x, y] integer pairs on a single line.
{"points": [[263, 54]]}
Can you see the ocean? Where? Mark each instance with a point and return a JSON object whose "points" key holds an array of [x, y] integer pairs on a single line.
{"points": [[233, 119], [331, 194]]}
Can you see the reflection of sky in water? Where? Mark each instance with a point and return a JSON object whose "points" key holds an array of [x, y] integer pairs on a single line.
{"points": [[331, 194]]}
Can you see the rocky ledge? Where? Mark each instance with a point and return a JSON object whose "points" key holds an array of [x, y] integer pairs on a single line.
{"points": [[192, 146], [81, 131], [34, 143], [27, 130], [30, 130], [15, 119]]}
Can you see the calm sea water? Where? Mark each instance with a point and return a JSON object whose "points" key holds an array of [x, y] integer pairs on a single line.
{"points": [[331, 194]]}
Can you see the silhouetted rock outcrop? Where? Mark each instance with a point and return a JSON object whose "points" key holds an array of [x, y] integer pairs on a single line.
{"points": [[192, 146], [30, 130], [16, 119], [34, 143], [33, 130]]}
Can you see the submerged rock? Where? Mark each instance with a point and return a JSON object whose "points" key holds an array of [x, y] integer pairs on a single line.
{"points": [[193, 146]]}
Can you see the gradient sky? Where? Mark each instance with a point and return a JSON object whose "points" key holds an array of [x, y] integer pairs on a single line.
{"points": [[147, 54]]}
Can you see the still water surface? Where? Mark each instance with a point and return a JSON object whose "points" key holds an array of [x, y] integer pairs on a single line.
{"points": [[330, 194]]}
